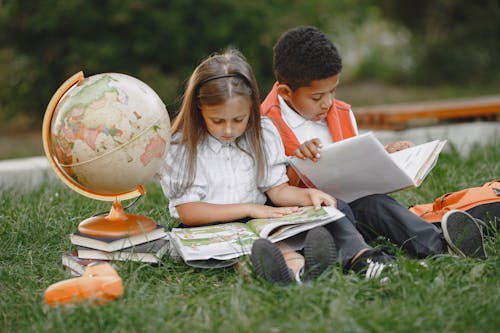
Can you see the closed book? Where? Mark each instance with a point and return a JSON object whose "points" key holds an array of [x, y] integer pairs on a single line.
{"points": [[150, 252], [115, 244], [76, 265]]}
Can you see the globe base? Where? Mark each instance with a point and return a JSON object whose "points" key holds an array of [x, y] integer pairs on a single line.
{"points": [[117, 224]]}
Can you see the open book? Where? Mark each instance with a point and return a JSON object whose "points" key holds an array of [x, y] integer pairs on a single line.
{"points": [[360, 166], [216, 245]]}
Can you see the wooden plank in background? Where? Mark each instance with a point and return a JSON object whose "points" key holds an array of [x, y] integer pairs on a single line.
{"points": [[400, 116]]}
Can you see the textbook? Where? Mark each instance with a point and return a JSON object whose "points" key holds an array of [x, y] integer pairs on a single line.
{"points": [[360, 166], [218, 245], [150, 252], [75, 265], [115, 244]]}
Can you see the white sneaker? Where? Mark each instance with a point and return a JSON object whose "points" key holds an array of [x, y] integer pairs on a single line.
{"points": [[372, 263]]}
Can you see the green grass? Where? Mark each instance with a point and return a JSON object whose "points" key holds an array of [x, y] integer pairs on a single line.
{"points": [[449, 295]]}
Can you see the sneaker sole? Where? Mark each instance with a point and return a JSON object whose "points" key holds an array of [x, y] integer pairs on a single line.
{"points": [[463, 235], [319, 253], [269, 263]]}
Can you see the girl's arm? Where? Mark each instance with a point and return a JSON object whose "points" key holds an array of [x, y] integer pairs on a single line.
{"points": [[201, 213], [286, 195]]}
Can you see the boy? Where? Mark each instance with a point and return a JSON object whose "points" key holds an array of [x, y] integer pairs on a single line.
{"points": [[302, 106]]}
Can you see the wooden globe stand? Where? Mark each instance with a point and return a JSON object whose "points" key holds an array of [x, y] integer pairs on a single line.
{"points": [[117, 224]]}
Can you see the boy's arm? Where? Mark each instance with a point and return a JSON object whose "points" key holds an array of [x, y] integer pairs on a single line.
{"points": [[201, 213]]}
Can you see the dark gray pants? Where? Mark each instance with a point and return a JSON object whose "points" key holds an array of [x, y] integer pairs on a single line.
{"points": [[348, 240], [381, 215]]}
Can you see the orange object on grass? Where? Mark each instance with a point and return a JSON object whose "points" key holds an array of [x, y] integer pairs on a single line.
{"points": [[481, 202], [99, 284]]}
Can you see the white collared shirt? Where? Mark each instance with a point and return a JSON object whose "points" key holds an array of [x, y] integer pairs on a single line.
{"points": [[224, 173], [307, 129]]}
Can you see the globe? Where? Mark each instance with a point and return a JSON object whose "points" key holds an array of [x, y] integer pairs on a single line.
{"points": [[105, 137]]}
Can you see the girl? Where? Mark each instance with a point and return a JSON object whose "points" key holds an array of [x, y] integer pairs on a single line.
{"points": [[225, 162]]}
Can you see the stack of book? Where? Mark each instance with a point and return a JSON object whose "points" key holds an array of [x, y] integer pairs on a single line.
{"points": [[144, 247]]}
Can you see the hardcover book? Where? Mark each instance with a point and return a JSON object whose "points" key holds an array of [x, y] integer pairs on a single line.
{"points": [[115, 244], [150, 252], [75, 265]]}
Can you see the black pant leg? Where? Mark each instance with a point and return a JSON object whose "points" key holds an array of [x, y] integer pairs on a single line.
{"points": [[380, 214], [348, 239]]}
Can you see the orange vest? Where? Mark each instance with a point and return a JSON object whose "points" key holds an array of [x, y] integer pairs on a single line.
{"points": [[338, 119]]}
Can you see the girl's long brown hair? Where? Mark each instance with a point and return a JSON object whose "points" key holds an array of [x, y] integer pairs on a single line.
{"points": [[217, 79]]}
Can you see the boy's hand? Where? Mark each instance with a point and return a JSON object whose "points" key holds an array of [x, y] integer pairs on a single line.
{"points": [[398, 145], [309, 149]]}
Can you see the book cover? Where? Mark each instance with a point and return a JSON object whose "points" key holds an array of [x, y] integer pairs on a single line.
{"points": [[115, 244], [149, 252]]}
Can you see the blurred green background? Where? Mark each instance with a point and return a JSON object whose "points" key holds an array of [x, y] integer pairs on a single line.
{"points": [[392, 50]]}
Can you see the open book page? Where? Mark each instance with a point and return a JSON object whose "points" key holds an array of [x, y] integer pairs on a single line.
{"points": [[419, 160], [353, 168], [231, 240], [221, 241], [277, 229]]}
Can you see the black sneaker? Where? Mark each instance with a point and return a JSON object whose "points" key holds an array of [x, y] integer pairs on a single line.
{"points": [[463, 234], [319, 253], [372, 263], [269, 262]]}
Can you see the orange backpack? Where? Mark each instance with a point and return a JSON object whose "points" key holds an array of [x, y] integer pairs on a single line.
{"points": [[481, 202]]}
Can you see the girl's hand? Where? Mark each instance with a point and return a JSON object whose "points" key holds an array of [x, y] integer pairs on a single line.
{"points": [[265, 212], [398, 145], [319, 198], [309, 149]]}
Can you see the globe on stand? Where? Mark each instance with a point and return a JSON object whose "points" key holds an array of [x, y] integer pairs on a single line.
{"points": [[105, 136]]}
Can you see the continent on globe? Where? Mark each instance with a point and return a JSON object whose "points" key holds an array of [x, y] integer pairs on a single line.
{"points": [[154, 149]]}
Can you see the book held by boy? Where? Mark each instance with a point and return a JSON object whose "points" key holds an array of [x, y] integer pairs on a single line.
{"points": [[216, 245], [115, 244], [359, 166], [150, 252]]}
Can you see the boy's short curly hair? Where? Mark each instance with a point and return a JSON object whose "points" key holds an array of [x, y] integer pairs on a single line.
{"points": [[304, 54]]}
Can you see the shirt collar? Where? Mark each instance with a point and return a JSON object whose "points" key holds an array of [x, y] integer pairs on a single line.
{"points": [[215, 145], [292, 118]]}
